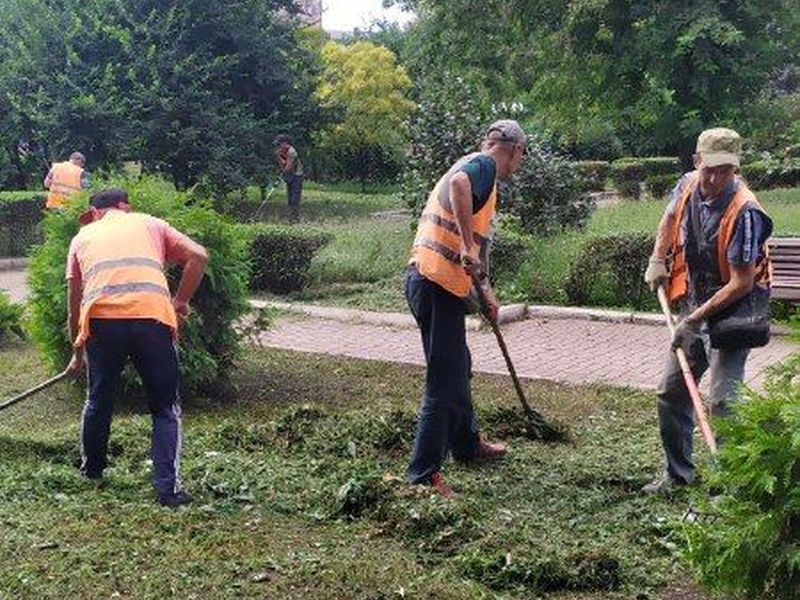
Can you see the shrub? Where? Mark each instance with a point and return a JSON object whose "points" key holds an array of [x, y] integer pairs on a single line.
{"points": [[609, 272], [593, 174], [659, 186], [20, 220], [592, 141], [628, 174], [447, 124], [751, 547], [768, 174], [545, 194], [509, 251], [208, 342], [280, 256], [10, 316]]}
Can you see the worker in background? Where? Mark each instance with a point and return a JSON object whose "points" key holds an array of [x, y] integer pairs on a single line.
{"points": [[120, 307], [65, 179], [715, 232], [291, 171], [451, 247]]}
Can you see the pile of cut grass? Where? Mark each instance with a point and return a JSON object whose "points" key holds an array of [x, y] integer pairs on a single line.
{"points": [[297, 495]]}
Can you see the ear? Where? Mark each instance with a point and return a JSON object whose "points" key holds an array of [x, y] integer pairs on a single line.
{"points": [[124, 206]]}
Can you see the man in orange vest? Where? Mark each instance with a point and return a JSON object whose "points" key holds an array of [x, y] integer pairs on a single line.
{"points": [[120, 306], [715, 232], [452, 245], [65, 179]]}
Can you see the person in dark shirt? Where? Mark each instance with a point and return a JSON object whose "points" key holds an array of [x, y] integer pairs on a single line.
{"points": [[450, 250]]}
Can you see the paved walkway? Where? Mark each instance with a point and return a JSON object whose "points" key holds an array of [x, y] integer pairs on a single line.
{"points": [[565, 350], [569, 350]]}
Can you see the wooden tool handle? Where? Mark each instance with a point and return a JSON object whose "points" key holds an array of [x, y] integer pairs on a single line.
{"points": [[34, 390], [691, 384]]}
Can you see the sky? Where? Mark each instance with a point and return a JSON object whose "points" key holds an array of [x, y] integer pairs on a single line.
{"points": [[345, 15]]}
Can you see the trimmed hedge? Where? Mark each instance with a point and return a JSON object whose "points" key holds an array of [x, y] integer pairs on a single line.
{"points": [[280, 256], [208, 342], [630, 173], [659, 186], [21, 214], [609, 272], [768, 174], [509, 250], [593, 174]]}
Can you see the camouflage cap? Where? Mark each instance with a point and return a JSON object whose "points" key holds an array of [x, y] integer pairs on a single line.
{"points": [[719, 146], [508, 130]]}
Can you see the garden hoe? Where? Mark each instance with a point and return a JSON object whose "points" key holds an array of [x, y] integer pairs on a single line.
{"points": [[691, 384], [540, 428], [34, 390]]}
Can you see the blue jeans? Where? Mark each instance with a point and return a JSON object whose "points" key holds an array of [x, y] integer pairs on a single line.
{"points": [[447, 420], [151, 347], [675, 411]]}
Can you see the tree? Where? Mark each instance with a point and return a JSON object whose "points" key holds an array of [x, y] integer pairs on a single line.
{"points": [[364, 92], [192, 88]]}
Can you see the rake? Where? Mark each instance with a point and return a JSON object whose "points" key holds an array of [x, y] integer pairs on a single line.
{"points": [[34, 390], [539, 426]]}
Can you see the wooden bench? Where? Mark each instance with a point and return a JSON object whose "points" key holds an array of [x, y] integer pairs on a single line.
{"points": [[785, 254]]}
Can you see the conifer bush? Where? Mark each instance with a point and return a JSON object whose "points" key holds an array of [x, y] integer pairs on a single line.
{"points": [[750, 547], [208, 343]]}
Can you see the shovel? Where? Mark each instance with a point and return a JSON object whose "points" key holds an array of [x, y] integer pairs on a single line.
{"points": [[691, 384], [539, 426], [34, 390]]}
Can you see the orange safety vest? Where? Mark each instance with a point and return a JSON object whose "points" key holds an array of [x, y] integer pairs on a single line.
{"points": [[65, 182], [679, 274], [122, 273], [437, 245]]}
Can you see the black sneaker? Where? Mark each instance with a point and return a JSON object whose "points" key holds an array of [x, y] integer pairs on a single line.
{"points": [[174, 500]]}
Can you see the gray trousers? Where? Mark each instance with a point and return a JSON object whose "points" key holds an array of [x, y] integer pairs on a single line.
{"points": [[675, 412]]}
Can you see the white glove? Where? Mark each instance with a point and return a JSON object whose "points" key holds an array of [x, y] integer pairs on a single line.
{"points": [[656, 274]]}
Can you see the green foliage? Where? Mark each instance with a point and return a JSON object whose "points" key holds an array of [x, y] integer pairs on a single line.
{"points": [[194, 89], [447, 124], [20, 218], [208, 342], [751, 546], [509, 251], [771, 173], [364, 91], [593, 174], [280, 256], [609, 271], [10, 316], [630, 173], [659, 186], [546, 191]]}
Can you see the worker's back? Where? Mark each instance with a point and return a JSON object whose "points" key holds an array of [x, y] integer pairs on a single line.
{"points": [[122, 271], [65, 183]]}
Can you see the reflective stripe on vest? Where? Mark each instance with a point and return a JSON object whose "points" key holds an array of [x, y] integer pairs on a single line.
{"points": [[679, 274], [122, 272], [437, 245], [65, 182]]}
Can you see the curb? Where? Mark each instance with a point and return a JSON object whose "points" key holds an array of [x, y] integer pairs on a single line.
{"points": [[510, 313], [13, 264]]}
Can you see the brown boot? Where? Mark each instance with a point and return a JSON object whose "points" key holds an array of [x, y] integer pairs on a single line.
{"points": [[440, 487], [490, 451]]}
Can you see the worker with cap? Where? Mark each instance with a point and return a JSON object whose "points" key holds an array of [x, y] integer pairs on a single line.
{"points": [[291, 171], [65, 179], [714, 231], [450, 248], [120, 306]]}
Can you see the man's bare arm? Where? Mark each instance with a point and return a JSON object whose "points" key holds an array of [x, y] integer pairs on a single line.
{"points": [[663, 235], [48, 180], [193, 258], [461, 203]]}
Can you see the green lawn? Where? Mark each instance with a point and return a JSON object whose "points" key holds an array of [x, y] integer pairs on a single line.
{"points": [[292, 498]]}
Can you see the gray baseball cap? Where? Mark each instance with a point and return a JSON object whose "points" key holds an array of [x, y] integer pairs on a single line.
{"points": [[508, 130]]}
